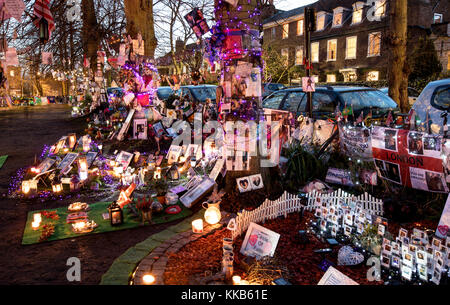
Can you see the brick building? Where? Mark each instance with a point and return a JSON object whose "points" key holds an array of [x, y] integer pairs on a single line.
{"points": [[349, 42]]}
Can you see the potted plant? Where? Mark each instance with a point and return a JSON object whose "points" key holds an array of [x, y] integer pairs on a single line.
{"points": [[160, 186], [144, 205]]}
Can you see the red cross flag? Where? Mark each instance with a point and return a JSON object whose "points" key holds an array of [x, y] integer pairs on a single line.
{"points": [[41, 10]]}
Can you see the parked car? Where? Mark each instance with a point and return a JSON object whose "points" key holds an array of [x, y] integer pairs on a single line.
{"points": [[413, 94], [200, 93], [325, 99], [434, 99], [163, 93], [269, 88]]}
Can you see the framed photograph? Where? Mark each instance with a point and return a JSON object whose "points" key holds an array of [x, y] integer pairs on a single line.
{"points": [[318, 212], [173, 154], [90, 157], [421, 257], [436, 278], [387, 248], [323, 225], [193, 150], [217, 169], [45, 165], [196, 193], [406, 272], [412, 248], [385, 259], [244, 184], [423, 273], [436, 243], [395, 248], [60, 144], [256, 181], [360, 228], [347, 231], [381, 229], [349, 219], [159, 129], [140, 129], [395, 261], [407, 259], [124, 158], [334, 230], [403, 233], [67, 161], [259, 241]]}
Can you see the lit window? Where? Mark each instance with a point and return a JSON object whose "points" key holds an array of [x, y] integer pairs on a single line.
{"points": [[331, 78], [448, 60], [285, 30], [437, 18], [357, 12], [350, 48], [299, 55], [337, 16], [285, 55], [300, 27], [380, 8], [374, 44], [373, 76], [315, 52], [320, 24], [331, 49]]}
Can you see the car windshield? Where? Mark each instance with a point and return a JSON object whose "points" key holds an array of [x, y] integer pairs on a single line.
{"points": [[164, 93], [202, 93], [366, 99]]}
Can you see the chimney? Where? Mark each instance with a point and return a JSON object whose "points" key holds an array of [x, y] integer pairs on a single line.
{"points": [[179, 44]]}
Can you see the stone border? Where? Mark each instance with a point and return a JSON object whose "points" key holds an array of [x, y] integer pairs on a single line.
{"points": [[152, 253]]}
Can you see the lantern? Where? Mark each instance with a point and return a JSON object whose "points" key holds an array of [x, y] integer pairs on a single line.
{"points": [[57, 186], [236, 280], [197, 226], [72, 140], [174, 173], [82, 168], [43, 30], [35, 225], [212, 213], [193, 161], [115, 214], [157, 173]]}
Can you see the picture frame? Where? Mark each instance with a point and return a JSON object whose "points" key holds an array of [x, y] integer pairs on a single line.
{"points": [[436, 243], [422, 272], [385, 259], [60, 144], [403, 233], [259, 241], [395, 261], [173, 154], [124, 158], [421, 257], [256, 182], [140, 129], [243, 184], [45, 165], [406, 272], [381, 229], [90, 157], [67, 161], [193, 195]]}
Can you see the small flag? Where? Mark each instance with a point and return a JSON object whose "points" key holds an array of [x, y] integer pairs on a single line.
{"points": [[389, 119], [41, 10], [347, 111], [412, 119]]}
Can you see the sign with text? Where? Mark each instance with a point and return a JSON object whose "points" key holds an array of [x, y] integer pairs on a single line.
{"points": [[356, 142], [409, 158], [259, 241]]}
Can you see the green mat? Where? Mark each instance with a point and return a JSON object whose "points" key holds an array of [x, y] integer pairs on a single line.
{"points": [[3, 160], [64, 230]]}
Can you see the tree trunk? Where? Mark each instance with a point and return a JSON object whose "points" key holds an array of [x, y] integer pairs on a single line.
{"points": [[139, 14], [397, 67], [90, 33]]}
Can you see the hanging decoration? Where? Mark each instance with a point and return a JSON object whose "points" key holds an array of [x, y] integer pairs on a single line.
{"points": [[44, 16]]}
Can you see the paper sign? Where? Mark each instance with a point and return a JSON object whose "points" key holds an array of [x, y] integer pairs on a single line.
{"points": [[339, 176], [409, 158], [308, 84], [335, 277], [259, 241], [47, 58], [126, 125], [14, 8], [444, 222], [356, 142]]}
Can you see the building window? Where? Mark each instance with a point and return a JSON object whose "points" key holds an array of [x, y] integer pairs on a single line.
{"points": [[285, 55], [337, 16], [380, 8], [374, 44], [350, 47], [437, 18], [331, 49], [315, 52], [448, 60], [357, 12], [320, 24], [285, 31], [274, 32], [299, 56], [373, 76], [331, 78], [300, 27]]}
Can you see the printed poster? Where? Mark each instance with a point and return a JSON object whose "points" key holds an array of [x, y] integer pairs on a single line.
{"points": [[444, 222], [409, 158], [356, 142]]}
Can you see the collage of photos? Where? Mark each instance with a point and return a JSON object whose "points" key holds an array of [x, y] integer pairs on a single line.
{"points": [[389, 171], [424, 144]]}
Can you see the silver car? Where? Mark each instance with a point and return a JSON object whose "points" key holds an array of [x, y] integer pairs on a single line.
{"points": [[434, 101]]}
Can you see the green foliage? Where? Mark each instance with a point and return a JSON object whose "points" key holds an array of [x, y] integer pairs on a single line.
{"points": [[424, 61], [302, 166], [276, 69]]}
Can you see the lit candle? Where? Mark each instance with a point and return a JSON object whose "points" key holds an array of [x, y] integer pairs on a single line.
{"points": [[37, 217], [148, 279], [35, 225], [244, 282], [236, 280], [197, 226]]}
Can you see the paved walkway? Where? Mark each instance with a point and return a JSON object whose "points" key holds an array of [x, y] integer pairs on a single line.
{"points": [[152, 255]]}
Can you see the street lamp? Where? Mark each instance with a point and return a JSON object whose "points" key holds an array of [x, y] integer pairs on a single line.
{"points": [[43, 30]]}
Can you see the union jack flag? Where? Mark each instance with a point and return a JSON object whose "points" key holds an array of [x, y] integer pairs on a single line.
{"points": [[41, 10]]}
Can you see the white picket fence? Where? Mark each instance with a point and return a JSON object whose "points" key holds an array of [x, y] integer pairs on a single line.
{"points": [[366, 201], [284, 205]]}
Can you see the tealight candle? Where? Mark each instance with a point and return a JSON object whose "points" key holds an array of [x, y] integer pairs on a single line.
{"points": [[197, 226], [37, 217], [236, 280], [35, 225], [148, 279]]}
